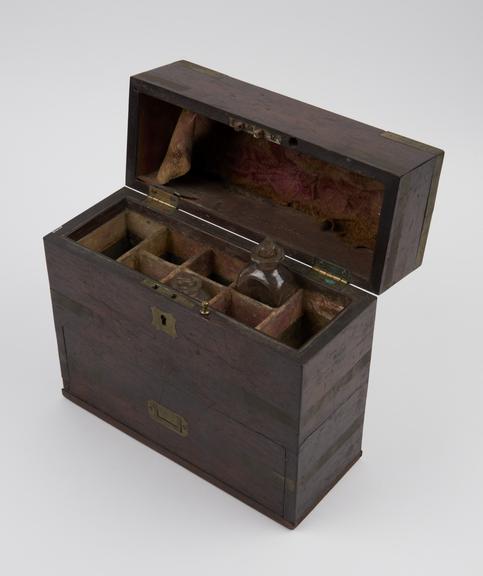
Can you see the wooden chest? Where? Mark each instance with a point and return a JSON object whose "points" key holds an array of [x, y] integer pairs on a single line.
{"points": [[266, 403]]}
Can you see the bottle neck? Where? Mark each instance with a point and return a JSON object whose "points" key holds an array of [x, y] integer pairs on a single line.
{"points": [[269, 266]]}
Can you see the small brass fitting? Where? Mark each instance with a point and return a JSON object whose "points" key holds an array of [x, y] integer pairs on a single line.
{"points": [[204, 310]]}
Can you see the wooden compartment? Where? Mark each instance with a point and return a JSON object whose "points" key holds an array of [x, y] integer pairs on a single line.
{"points": [[120, 234], [153, 266], [303, 316], [161, 253], [266, 403], [241, 308], [217, 266]]}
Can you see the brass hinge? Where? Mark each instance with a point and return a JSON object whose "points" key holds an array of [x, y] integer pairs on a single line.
{"points": [[162, 199], [330, 273]]}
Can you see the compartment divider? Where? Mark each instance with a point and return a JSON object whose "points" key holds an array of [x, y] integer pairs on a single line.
{"points": [[198, 261], [188, 263], [153, 243], [283, 317], [217, 266], [220, 301], [174, 272], [241, 307], [184, 266], [161, 253], [106, 234], [154, 266]]}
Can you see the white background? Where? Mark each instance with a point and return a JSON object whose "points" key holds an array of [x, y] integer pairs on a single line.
{"points": [[77, 497]]}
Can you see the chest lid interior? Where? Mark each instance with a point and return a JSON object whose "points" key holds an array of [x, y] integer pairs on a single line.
{"points": [[329, 189]]}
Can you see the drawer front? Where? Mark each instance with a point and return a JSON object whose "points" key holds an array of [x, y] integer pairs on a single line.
{"points": [[106, 370]]}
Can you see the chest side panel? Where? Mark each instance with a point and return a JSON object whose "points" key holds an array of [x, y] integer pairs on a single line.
{"points": [[106, 372], [241, 417], [411, 222], [208, 357], [330, 451], [338, 370]]}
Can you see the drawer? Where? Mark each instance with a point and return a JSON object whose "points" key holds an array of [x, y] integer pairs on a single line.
{"points": [[105, 375]]}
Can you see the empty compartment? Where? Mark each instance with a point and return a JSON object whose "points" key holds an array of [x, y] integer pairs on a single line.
{"points": [[218, 266], [178, 248], [153, 266], [148, 264], [240, 307], [305, 314], [151, 245], [120, 234]]}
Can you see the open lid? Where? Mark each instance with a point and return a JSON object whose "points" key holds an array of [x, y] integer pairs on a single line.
{"points": [[329, 189]]}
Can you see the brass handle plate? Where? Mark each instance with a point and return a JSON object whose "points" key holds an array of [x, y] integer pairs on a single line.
{"points": [[167, 418]]}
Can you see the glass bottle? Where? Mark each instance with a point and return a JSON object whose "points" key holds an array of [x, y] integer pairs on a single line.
{"points": [[189, 285], [265, 279]]}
